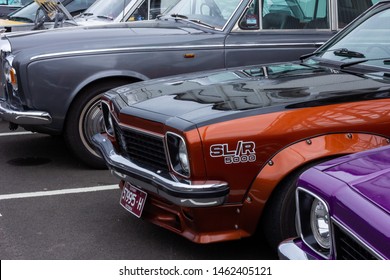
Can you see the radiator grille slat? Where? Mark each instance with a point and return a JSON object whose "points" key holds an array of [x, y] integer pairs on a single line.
{"points": [[141, 147], [347, 248]]}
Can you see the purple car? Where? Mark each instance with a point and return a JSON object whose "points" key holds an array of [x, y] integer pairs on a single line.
{"points": [[343, 209]]}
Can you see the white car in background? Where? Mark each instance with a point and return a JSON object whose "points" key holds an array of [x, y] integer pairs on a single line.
{"points": [[81, 13], [103, 11], [8, 6]]}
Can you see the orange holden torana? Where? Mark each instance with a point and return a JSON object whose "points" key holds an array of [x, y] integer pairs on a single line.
{"points": [[214, 156]]}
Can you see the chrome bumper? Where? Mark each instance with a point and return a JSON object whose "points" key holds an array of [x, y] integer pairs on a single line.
{"points": [[288, 250], [23, 117], [163, 184]]}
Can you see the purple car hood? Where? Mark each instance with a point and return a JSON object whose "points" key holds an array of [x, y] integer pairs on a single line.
{"points": [[368, 173]]}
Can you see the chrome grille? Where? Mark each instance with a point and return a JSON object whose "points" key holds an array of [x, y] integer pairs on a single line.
{"points": [[141, 147], [348, 248]]}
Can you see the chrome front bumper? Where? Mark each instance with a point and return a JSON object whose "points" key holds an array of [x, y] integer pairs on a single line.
{"points": [[289, 250], [23, 117], [163, 184]]}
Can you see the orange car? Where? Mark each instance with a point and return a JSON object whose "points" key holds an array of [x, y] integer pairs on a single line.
{"points": [[211, 156]]}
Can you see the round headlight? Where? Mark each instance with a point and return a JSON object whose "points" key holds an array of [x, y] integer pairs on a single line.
{"points": [[183, 157], [319, 221]]}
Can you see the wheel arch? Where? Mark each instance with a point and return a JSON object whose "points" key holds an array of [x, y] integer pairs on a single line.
{"points": [[83, 119], [294, 158], [101, 79]]}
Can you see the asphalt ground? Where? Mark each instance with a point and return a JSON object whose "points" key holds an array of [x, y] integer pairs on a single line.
{"points": [[53, 207]]}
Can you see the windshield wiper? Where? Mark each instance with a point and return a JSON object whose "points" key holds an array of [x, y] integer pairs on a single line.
{"points": [[105, 17], [348, 64], [202, 23], [347, 53], [24, 19], [179, 16], [304, 56]]}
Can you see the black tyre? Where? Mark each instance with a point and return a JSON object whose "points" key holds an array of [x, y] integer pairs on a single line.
{"points": [[279, 217], [84, 120]]}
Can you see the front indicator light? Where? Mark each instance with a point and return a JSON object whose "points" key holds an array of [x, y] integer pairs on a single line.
{"points": [[11, 77]]}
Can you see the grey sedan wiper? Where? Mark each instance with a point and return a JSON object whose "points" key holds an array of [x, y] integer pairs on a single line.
{"points": [[179, 16], [25, 19], [304, 56], [105, 17], [202, 23]]}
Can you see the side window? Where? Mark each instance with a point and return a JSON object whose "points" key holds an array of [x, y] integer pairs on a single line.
{"points": [[78, 6], [141, 13], [295, 14], [348, 10], [157, 7], [250, 19]]}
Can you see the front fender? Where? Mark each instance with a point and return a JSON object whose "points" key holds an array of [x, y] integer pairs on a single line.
{"points": [[291, 158]]}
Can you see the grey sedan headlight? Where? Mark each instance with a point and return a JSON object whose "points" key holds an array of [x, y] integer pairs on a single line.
{"points": [[177, 154], [314, 222]]}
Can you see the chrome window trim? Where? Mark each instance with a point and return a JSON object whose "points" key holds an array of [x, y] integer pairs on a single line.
{"points": [[232, 15], [332, 15], [331, 250], [355, 237]]}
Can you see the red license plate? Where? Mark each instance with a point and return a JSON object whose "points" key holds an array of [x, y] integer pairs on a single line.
{"points": [[133, 199]]}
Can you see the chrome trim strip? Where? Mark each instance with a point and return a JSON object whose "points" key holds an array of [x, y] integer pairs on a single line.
{"points": [[24, 117], [163, 184], [232, 15], [137, 129], [311, 44], [144, 48], [198, 47], [5, 45], [356, 238]]}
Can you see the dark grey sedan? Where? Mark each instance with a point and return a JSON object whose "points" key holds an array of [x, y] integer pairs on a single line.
{"points": [[52, 80]]}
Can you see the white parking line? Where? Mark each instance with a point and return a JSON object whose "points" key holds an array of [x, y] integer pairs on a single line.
{"points": [[58, 192], [15, 133]]}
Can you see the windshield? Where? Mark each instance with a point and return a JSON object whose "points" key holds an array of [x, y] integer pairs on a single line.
{"points": [[25, 14], [367, 44], [108, 9], [28, 12], [212, 13]]}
